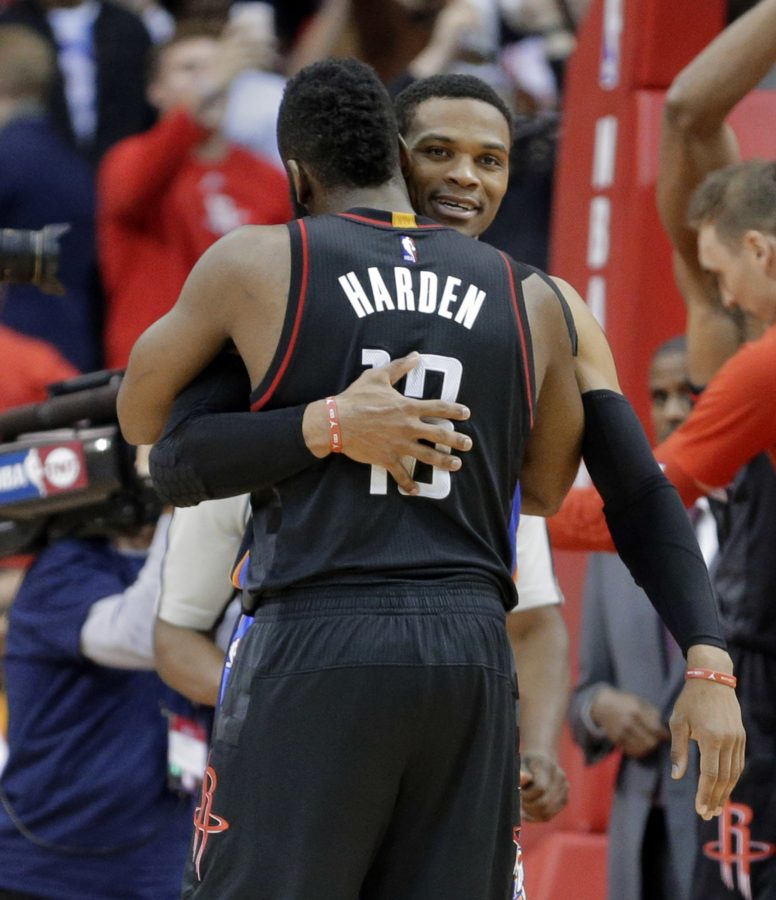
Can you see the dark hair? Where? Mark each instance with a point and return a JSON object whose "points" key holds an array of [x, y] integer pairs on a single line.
{"points": [[735, 199], [454, 87], [336, 118]]}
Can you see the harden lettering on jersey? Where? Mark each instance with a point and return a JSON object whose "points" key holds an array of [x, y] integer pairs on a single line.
{"points": [[415, 290]]}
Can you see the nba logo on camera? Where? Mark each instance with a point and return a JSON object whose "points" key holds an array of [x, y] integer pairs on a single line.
{"points": [[409, 252], [36, 472]]}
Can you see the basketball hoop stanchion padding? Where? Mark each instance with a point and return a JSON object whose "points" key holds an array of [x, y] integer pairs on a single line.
{"points": [[606, 236]]}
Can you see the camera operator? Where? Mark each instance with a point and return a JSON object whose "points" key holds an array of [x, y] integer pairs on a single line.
{"points": [[85, 806]]}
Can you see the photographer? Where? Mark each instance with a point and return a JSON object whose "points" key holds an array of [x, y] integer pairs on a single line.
{"points": [[85, 807]]}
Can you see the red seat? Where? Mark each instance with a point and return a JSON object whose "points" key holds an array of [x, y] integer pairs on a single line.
{"points": [[567, 865]]}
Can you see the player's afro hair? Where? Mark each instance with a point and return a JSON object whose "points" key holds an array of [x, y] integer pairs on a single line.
{"points": [[336, 118], [452, 86]]}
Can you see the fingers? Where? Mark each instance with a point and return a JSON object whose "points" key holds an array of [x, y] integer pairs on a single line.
{"points": [[437, 432], [722, 763], [722, 786], [434, 457], [540, 805], [402, 477], [430, 410], [544, 788], [400, 367], [435, 408], [680, 735], [706, 782], [709, 714]]}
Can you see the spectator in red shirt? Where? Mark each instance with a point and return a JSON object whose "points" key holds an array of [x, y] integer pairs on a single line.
{"points": [[166, 195], [28, 366]]}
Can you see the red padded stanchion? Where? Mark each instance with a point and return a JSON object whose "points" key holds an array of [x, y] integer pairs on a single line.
{"points": [[606, 237]]}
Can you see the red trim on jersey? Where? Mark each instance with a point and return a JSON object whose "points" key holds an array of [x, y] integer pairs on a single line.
{"points": [[523, 342], [257, 405], [357, 218]]}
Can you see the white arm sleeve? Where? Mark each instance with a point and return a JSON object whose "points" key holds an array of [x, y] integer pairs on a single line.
{"points": [[536, 581], [203, 543], [118, 631]]}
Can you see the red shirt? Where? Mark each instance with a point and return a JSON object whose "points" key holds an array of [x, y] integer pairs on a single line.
{"points": [[160, 207], [29, 365], [733, 421]]}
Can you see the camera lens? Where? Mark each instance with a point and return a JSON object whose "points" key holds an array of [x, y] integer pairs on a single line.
{"points": [[31, 257]]}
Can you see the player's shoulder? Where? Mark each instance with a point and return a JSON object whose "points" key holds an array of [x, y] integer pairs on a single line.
{"points": [[543, 299], [249, 249]]}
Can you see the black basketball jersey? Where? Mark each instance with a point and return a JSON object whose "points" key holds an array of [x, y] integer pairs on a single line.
{"points": [[368, 287], [745, 577]]}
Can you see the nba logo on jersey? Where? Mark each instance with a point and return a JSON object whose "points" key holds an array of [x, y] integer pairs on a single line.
{"points": [[409, 252]]}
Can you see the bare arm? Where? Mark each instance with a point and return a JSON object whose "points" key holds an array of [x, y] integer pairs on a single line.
{"points": [[695, 140], [188, 661], [118, 630], [713, 720], [540, 643], [593, 369], [553, 449]]}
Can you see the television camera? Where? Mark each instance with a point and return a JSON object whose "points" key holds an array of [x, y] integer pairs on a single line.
{"points": [[65, 470]]}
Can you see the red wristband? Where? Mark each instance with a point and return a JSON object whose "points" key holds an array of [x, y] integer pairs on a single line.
{"points": [[335, 432], [711, 675]]}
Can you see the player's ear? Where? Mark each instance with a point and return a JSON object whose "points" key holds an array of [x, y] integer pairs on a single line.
{"points": [[756, 243], [300, 183], [405, 157]]}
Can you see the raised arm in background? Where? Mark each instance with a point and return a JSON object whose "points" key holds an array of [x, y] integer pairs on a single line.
{"points": [[696, 140]]}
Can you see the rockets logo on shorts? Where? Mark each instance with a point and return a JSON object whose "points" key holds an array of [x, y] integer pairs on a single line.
{"points": [[409, 251], [735, 850], [206, 822]]}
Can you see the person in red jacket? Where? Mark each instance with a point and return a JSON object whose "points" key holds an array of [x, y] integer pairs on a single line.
{"points": [[166, 195], [28, 366]]}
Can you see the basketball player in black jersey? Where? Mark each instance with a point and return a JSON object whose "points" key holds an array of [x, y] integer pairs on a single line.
{"points": [[366, 746], [456, 130], [458, 136]]}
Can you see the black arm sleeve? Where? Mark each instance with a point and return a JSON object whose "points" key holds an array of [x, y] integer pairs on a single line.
{"points": [[647, 521], [213, 447]]}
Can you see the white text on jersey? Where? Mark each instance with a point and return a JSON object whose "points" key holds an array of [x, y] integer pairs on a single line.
{"points": [[414, 290]]}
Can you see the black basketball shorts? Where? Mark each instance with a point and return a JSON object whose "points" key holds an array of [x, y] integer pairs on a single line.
{"points": [[366, 749]]}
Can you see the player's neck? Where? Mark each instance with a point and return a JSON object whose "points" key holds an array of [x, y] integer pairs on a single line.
{"points": [[389, 196]]}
